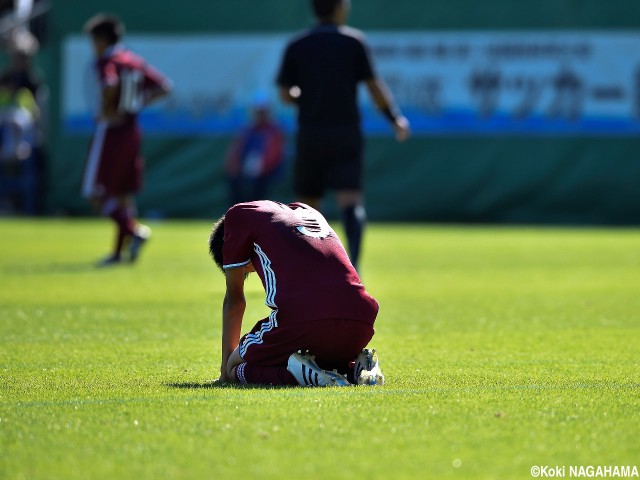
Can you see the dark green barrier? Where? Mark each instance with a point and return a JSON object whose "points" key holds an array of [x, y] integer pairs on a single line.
{"points": [[539, 180]]}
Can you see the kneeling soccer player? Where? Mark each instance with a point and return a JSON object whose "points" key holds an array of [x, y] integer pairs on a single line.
{"points": [[321, 316]]}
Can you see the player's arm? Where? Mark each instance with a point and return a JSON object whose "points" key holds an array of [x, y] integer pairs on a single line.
{"points": [[161, 90], [383, 100], [232, 312], [156, 85], [154, 95], [287, 80]]}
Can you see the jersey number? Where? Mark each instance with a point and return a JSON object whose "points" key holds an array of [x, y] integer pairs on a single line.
{"points": [[131, 92], [313, 224]]}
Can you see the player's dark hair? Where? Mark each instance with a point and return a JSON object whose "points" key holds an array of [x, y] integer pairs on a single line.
{"points": [[105, 25], [325, 8], [216, 240]]}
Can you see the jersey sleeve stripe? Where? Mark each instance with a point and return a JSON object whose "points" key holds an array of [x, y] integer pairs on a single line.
{"points": [[269, 277], [236, 265]]}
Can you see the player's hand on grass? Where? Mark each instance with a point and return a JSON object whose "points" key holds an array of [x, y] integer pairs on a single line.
{"points": [[224, 378]]}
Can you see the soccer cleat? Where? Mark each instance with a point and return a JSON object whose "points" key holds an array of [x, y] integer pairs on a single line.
{"points": [[141, 235], [366, 370], [307, 373]]}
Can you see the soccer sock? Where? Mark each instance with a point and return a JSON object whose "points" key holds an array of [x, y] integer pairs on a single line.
{"points": [[354, 218], [125, 226], [257, 374]]}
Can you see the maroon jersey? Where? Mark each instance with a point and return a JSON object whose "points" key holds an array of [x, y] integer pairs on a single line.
{"points": [[304, 268], [114, 165], [119, 67]]}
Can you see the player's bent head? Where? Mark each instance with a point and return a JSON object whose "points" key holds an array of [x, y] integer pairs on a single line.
{"points": [[106, 26], [216, 240], [325, 8]]}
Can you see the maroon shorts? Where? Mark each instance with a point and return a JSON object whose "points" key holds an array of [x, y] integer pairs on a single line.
{"points": [[334, 342], [114, 164]]}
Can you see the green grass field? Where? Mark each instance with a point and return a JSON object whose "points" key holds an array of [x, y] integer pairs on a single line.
{"points": [[504, 348]]}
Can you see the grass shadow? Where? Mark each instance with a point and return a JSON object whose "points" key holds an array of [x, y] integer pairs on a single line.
{"points": [[50, 268], [224, 385]]}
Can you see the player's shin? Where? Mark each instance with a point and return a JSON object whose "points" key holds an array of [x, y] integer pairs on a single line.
{"points": [[354, 218]]}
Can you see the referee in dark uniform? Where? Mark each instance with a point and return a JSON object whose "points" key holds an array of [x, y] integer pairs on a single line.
{"points": [[320, 73]]}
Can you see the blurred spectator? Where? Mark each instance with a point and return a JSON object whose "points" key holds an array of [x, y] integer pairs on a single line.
{"points": [[255, 158], [23, 23], [23, 98], [23, 73], [19, 113]]}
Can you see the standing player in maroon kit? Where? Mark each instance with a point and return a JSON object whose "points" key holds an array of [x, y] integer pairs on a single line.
{"points": [[114, 168], [318, 304]]}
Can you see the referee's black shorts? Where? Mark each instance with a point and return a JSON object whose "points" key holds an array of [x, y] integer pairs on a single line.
{"points": [[328, 159]]}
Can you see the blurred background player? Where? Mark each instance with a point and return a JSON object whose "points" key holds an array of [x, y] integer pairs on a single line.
{"points": [[256, 156], [320, 73], [114, 168]]}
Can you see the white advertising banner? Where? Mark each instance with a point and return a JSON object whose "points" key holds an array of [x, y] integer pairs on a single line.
{"points": [[447, 83]]}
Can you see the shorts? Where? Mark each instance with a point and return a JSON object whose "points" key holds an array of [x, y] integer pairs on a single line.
{"points": [[328, 159], [334, 342], [114, 165]]}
